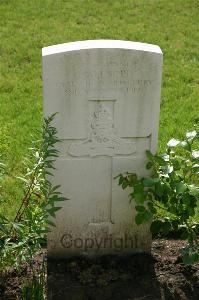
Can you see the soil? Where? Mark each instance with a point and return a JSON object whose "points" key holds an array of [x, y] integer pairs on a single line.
{"points": [[12, 281], [161, 276]]}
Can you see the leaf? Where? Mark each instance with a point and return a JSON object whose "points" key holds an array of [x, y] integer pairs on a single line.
{"points": [[195, 154], [160, 160], [156, 226], [61, 199], [54, 188], [148, 215], [49, 173], [195, 166], [189, 254], [120, 180], [189, 259], [186, 145], [139, 219], [143, 217], [148, 182], [139, 197], [152, 208], [3, 229], [180, 188], [50, 223], [173, 143], [159, 189], [166, 227], [187, 200], [149, 155], [167, 169], [176, 165], [191, 135], [18, 226], [149, 165], [132, 178], [138, 188], [165, 157], [52, 210], [193, 190], [125, 184], [23, 179], [140, 208], [119, 175]]}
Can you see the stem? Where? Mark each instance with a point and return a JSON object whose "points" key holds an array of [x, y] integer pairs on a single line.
{"points": [[191, 230], [25, 200]]}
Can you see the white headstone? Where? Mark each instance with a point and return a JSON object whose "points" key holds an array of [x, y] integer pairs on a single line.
{"points": [[107, 95]]}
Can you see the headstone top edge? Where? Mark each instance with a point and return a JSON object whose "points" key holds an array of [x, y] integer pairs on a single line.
{"points": [[100, 44]]}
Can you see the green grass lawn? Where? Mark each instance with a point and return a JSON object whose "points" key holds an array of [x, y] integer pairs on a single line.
{"points": [[27, 26]]}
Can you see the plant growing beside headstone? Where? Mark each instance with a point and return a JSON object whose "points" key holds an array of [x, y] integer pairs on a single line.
{"points": [[36, 288], [171, 195], [22, 237]]}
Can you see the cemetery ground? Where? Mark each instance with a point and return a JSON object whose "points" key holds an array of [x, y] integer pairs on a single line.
{"points": [[161, 276], [170, 24]]}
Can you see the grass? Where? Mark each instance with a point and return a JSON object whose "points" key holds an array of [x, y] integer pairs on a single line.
{"points": [[27, 26]]}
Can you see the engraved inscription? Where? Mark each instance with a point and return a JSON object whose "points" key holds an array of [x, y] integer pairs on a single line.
{"points": [[120, 80], [102, 139]]}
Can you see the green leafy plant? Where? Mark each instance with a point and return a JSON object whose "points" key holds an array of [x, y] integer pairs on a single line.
{"points": [[34, 289], [22, 237], [170, 196]]}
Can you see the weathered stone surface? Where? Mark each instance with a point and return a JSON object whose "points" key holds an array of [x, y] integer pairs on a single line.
{"points": [[107, 95]]}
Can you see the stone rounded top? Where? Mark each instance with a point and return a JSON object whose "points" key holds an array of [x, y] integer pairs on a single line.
{"points": [[100, 44]]}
